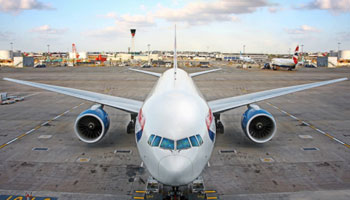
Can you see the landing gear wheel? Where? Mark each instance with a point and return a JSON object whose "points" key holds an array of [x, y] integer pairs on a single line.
{"points": [[131, 127], [219, 127], [218, 124]]}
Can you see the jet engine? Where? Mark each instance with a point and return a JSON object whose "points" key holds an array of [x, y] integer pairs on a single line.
{"points": [[258, 124], [92, 124]]}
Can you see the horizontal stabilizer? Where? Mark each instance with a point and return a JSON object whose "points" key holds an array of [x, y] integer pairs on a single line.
{"points": [[146, 72], [204, 72]]}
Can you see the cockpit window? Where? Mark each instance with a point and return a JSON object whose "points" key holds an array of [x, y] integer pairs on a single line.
{"points": [[199, 139], [194, 141], [183, 144], [167, 144], [150, 139], [156, 141]]}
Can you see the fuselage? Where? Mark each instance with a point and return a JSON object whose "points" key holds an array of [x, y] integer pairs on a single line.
{"points": [[283, 62], [175, 130]]}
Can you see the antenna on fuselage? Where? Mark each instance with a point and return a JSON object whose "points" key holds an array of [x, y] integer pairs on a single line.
{"points": [[175, 56]]}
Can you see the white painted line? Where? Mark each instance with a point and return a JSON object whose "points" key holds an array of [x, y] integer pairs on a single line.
{"points": [[141, 164], [338, 140], [75, 107], [58, 116], [65, 112], [43, 124], [307, 124], [28, 132], [29, 95], [9, 142], [294, 117], [284, 112], [324, 133], [208, 164]]}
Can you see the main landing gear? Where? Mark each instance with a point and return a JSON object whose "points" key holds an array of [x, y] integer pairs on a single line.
{"points": [[194, 191], [218, 123], [131, 126]]}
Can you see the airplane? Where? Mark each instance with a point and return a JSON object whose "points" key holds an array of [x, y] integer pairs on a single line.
{"points": [[285, 62], [245, 58], [175, 127]]}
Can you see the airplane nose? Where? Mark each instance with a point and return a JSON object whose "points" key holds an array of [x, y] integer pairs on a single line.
{"points": [[175, 170]]}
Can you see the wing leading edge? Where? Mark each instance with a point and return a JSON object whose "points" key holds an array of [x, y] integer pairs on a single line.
{"points": [[128, 105], [222, 105]]}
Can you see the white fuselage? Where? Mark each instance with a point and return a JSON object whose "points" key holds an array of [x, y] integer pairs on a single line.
{"points": [[175, 110], [283, 62]]}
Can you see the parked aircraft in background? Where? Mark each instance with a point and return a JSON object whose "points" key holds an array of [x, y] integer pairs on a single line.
{"points": [[285, 62], [245, 58], [175, 127]]}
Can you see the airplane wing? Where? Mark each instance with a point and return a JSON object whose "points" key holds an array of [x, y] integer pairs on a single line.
{"points": [[146, 72], [203, 72], [222, 105], [128, 105]]}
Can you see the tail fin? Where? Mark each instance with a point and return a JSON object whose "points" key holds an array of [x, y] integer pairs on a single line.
{"points": [[175, 55], [296, 55]]}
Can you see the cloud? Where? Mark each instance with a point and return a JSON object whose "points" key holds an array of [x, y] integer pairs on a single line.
{"points": [[6, 35], [331, 5], [16, 6], [303, 29], [46, 29], [122, 24], [206, 12]]}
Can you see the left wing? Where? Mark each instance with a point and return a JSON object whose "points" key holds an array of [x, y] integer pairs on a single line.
{"points": [[222, 105], [128, 105]]}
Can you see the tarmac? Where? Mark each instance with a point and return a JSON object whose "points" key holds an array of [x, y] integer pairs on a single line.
{"points": [[307, 159]]}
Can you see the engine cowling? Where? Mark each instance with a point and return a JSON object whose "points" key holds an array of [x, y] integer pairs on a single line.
{"points": [[258, 124], [92, 124]]}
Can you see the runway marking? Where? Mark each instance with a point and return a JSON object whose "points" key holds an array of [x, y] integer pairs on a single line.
{"points": [[311, 126], [39, 126], [29, 95]]}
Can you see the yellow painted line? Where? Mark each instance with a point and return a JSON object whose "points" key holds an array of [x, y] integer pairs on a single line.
{"points": [[212, 198], [140, 191], [311, 126], [209, 191], [139, 197], [21, 136], [37, 127]]}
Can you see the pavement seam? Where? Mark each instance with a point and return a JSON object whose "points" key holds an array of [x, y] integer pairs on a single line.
{"points": [[39, 126], [310, 125]]}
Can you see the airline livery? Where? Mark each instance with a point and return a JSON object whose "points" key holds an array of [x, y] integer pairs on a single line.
{"points": [[175, 127], [286, 62]]}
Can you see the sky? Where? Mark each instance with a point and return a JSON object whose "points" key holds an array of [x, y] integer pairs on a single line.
{"points": [[262, 26]]}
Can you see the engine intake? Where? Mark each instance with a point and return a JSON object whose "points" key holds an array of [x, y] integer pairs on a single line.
{"points": [[258, 124], [92, 124]]}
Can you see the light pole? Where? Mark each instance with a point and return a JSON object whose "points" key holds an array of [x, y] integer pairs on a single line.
{"points": [[48, 49], [11, 43], [244, 49], [289, 51], [149, 54], [339, 46], [302, 49]]}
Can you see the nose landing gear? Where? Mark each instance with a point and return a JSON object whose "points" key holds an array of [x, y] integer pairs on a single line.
{"points": [[194, 191]]}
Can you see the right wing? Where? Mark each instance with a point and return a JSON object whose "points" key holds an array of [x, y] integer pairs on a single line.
{"points": [[128, 105], [222, 105], [146, 72]]}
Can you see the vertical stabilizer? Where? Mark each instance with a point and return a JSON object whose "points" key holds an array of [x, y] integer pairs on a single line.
{"points": [[296, 55], [175, 55]]}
